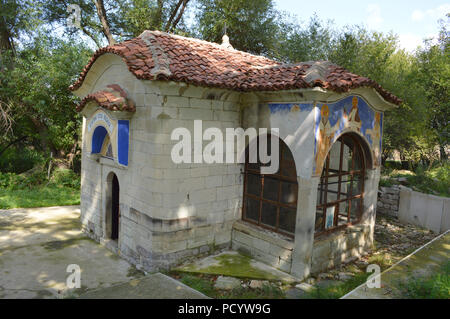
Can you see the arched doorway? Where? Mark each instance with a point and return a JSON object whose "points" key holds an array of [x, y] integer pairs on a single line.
{"points": [[341, 189], [112, 207], [270, 201]]}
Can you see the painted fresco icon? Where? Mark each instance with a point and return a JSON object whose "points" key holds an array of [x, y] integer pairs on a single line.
{"points": [[325, 136], [353, 120], [295, 108], [329, 219], [375, 135]]}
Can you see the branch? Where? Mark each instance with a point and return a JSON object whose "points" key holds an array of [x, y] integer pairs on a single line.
{"points": [[185, 2], [101, 12], [91, 35], [172, 16], [6, 120]]}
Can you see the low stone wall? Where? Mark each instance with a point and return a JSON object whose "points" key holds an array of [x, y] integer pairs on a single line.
{"points": [[425, 210], [263, 245], [340, 247], [388, 200]]}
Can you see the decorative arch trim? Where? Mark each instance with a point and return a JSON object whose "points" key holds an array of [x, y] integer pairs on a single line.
{"points": [[351, 114], [100, 126]]}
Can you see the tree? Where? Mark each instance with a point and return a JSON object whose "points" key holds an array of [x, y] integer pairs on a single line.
{"points": [[43, 108], [434, 74], [251, 25], [300, 44], [115, 20]]}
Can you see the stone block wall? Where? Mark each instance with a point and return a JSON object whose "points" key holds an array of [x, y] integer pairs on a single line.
{"points": [[340, 247], [172, 211], [266, 246], [388, 200]]}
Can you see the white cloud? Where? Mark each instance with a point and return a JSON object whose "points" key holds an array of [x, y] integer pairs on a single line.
{"points": [[410, 41], [433, 14], [374, 18]]}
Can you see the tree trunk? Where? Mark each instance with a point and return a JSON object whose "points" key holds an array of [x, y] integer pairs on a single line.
{"points": [[101, 12], [443, 154]]}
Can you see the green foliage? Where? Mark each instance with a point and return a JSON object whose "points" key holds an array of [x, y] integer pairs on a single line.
{"points": [[198, 283], [41, 196], [22, 181], [66, 177], [300, 44], [33, 189], [336, 291], [42, 108], [19, 159], [250, 25], [436, 286], [430, 180], [140, 15]]}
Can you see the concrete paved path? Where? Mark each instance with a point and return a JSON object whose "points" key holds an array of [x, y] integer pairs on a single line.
{"points": [[421, 263], [154, 286], [37, 245]]}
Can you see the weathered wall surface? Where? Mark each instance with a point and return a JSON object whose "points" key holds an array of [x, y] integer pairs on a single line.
{"points": [[263, 245], [388, 200], [428, 211], [340, 247], [186, 208], [168, 211]]}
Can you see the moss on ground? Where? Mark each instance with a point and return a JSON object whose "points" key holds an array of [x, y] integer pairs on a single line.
{"points": [[205, 284], [134, 272], [234, 265]]}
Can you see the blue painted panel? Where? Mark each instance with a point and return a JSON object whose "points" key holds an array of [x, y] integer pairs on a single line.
{"points": [[123, 141], [97, 139], [288, 107]]}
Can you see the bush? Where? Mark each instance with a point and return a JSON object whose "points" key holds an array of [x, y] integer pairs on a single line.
{"points": [[38, 177], [65, 177], [430, 180], [19, 160], [436, 286], [25, 180]]}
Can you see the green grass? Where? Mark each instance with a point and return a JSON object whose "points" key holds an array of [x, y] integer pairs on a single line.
{"points": [[39, 196], [436, 286], [338, 290]]}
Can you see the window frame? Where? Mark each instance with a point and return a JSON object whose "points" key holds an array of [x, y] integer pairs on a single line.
{"points": [[261, 199], [351, 173]]}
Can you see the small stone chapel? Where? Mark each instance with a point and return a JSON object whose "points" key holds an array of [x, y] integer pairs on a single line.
{"points": [[315, 212]]}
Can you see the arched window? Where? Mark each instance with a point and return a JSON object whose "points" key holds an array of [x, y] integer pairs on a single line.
{"points": [[341, 187], [270, 201]]}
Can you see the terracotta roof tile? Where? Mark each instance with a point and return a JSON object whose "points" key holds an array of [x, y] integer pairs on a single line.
{"points": [[113, 98], [158, 55]]}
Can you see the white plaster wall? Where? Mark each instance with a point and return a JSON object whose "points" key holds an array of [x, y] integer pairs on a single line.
{"points": [[296, 130]]}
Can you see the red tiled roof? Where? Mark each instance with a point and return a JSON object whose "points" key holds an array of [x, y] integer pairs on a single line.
{"points": [[113, 98], [158, 55]]}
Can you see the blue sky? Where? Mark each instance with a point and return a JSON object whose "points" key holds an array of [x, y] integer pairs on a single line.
{"points": [[411, 20]]}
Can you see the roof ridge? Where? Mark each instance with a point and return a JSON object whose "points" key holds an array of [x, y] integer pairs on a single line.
{"points": [[200, 41]]}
